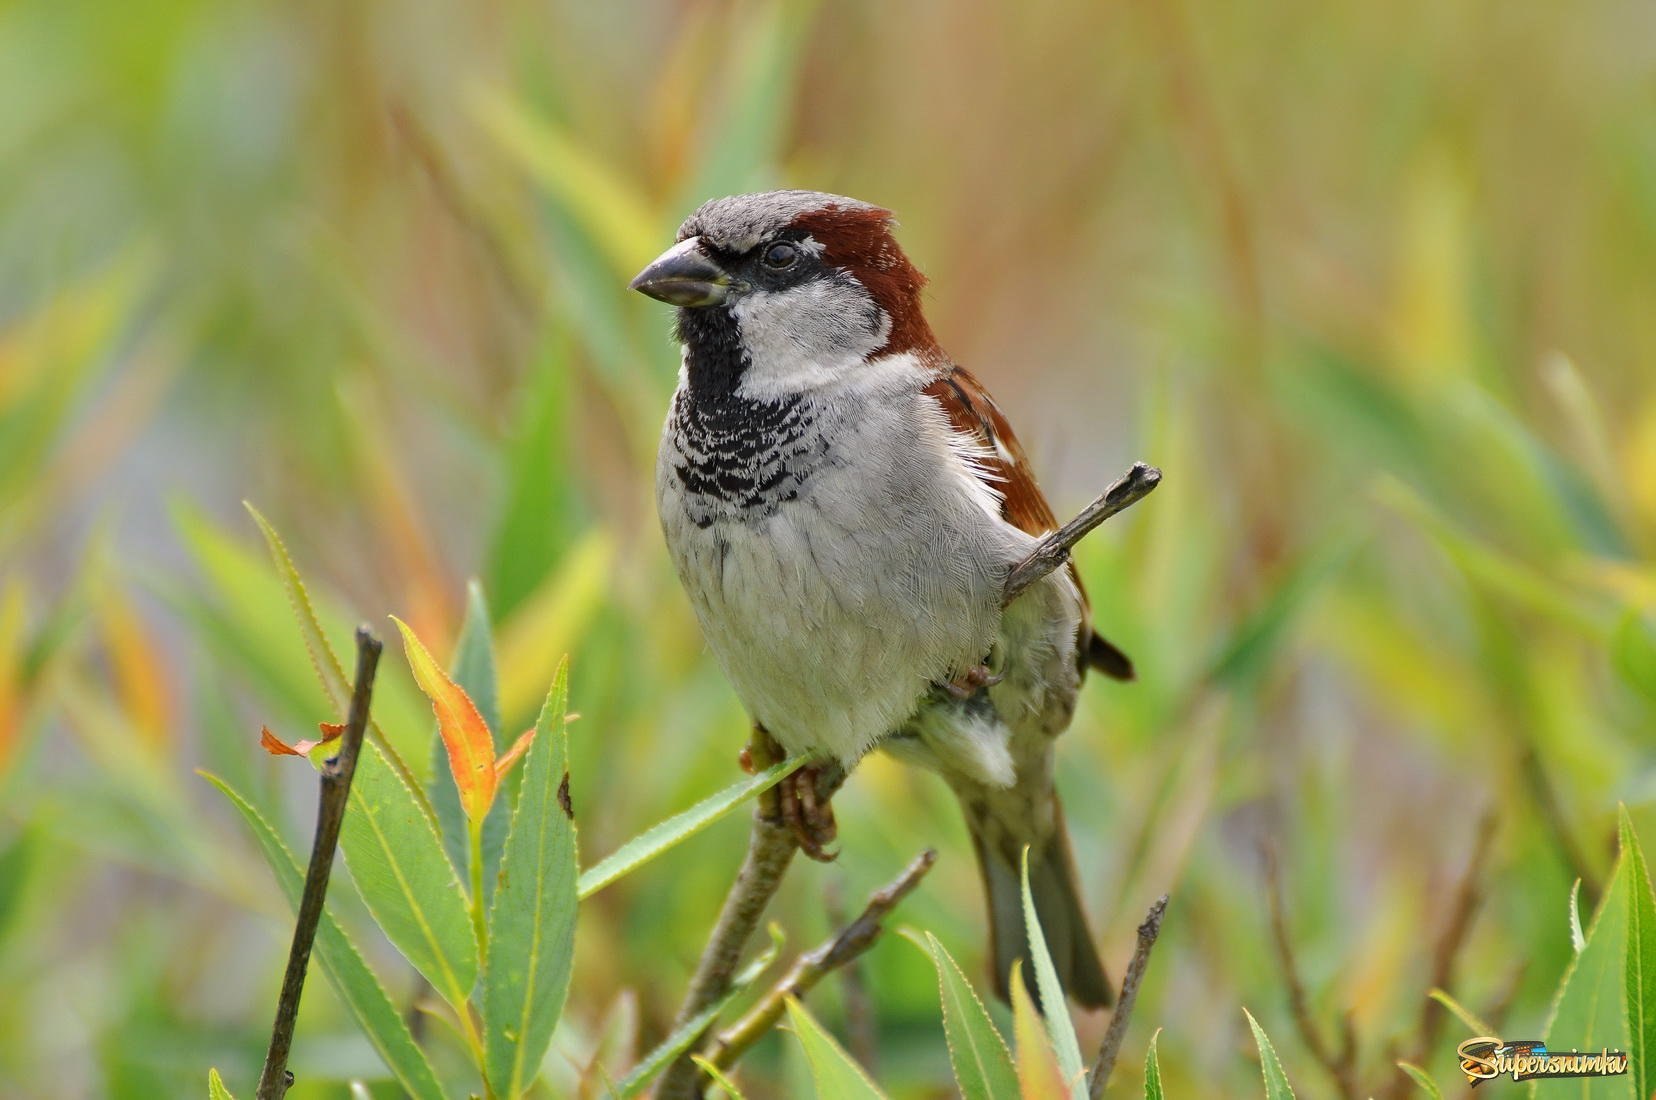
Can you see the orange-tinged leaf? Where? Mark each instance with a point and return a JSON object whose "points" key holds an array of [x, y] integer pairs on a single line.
{"points": [[140, 679], [515, 753], [275, 746], [1039, 1077], [465, 735], [11, 672]]}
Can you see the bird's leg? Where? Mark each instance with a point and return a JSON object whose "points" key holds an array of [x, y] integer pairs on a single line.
{"points": [[972, 681], [812, 822]]}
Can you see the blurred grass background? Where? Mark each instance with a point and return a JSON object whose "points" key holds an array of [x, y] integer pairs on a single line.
{"points": [[1373, 284]]}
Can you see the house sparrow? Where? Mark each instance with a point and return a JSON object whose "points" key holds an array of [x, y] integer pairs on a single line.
{"points": [[843, 503]]}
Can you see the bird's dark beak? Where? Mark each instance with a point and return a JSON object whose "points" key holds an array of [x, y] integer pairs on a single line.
{"points": [[684, 275]]}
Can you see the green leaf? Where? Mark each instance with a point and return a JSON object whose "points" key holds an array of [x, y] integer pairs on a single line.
{"points": [[982, 1063], [1270, 1066], [1253, 643], [21, 859], [1641, 960], [396, 858], [717, 1076], [746, 142], [343, 964], [1418, 1076], [1577, 939], [215, 1087], [1633, 651], [1589, 1012], [540, 512], [1465, 1015], [682, 1037], [836, 1073], [326, 663], [659, 838], [1058, 1022], [532, 924], [1152, 1070]]}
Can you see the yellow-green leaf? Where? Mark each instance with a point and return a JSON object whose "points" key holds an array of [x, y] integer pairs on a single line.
{"points": [[343, 964], [982, 1065], [215, 1087], [1641, 960], [1058, 1022], [836, 1074], [531, 941], [397, 860], [1270, 1066], [1040, 1077]]}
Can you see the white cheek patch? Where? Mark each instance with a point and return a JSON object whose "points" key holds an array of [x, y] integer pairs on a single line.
{"points": [[806, 336]]}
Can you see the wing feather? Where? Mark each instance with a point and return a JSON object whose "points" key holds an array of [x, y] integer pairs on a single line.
{"points": [[1005, 468]]}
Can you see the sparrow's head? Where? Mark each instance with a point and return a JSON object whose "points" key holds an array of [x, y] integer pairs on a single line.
{"points": [[783, 290]]}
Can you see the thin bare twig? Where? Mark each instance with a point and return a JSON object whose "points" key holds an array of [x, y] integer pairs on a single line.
{"points": [[1342, 1066], [1054, 549], [330, 814], [771, 847], [861, 1033], [854, 939], [1110, 1048], [1447, 948]]}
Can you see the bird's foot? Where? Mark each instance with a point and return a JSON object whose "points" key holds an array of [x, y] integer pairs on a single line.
{"points": [[972, 681], [811, 821]]}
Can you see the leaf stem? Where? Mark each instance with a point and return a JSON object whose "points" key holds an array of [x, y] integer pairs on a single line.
{"points": [[474, 831]]}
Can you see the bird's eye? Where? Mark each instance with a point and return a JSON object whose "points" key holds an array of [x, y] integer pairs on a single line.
{"points": [[780, 255]]}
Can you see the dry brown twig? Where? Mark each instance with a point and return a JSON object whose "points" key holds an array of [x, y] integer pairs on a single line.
{"points": [[1446, 949], [330, 814], [771, 847], [1110, 1048], [1054, 549], [811, 967], [1340, 1066]]}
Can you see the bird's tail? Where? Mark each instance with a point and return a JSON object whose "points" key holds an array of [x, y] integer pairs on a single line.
{"points": [[1001, 828]]}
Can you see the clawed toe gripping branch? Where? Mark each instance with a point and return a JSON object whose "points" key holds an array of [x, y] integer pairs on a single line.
{"points": [[773, 842]]}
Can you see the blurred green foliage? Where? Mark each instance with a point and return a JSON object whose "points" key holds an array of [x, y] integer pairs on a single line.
{"points": [[1372, 284]]}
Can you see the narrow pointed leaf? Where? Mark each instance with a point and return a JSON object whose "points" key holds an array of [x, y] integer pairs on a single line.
{"points": [[681, 1038], [982, 1064], [1641, 961], [532, 922], [324, 660], [657, 839], [1058, 1022], [406, 880], [473, 668], [215, 1087], [836, 1074], [1040, 1077], [717, 1076], [328, 668], [343, 964], [1588, 1012], [465, 735], [1419, 1077], [1152, 1070], [1270, 1066]]}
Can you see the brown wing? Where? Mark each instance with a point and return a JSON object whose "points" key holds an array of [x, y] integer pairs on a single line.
{"points": [[972, 411]]}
